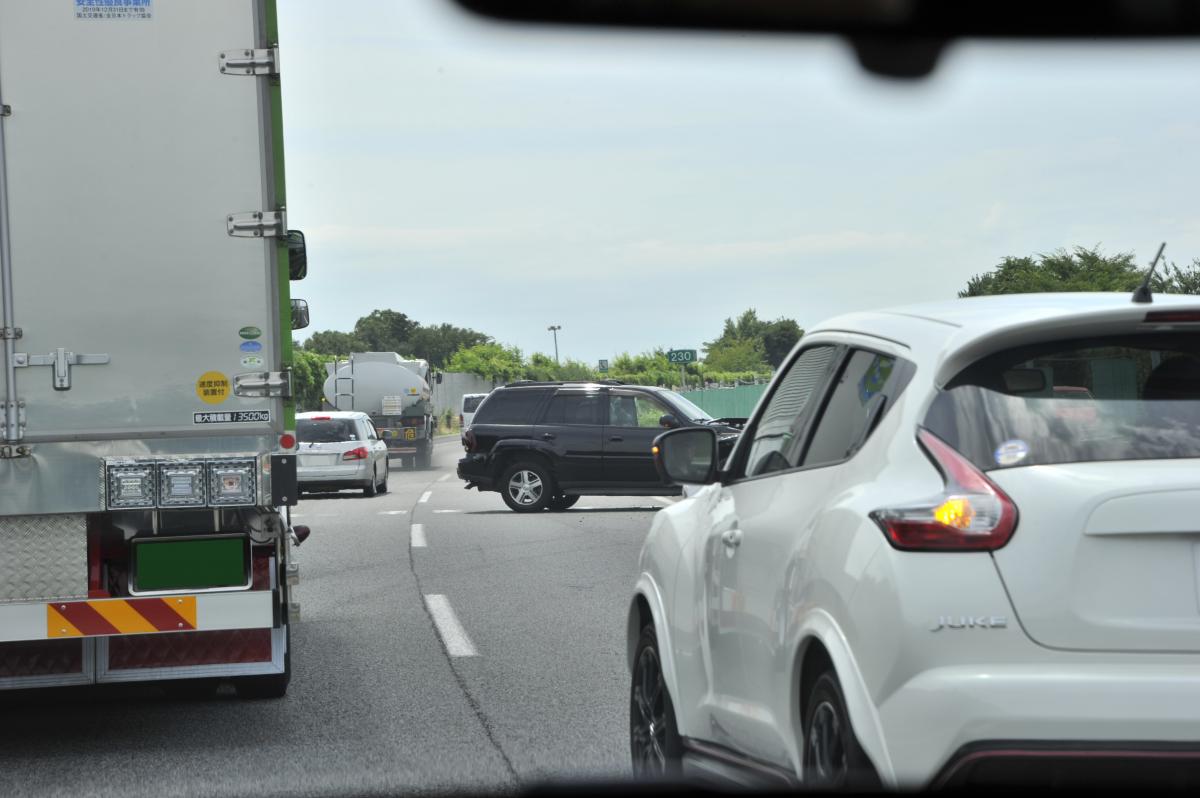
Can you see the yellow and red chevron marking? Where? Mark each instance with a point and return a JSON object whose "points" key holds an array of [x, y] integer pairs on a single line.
{"points": [[120, 616]]}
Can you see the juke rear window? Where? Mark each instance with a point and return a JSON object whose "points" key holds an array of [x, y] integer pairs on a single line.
{"points": [[1100, 399], [512, 406]]}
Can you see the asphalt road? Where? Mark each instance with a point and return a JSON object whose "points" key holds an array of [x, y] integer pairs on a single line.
{"points": [[489, 658]]}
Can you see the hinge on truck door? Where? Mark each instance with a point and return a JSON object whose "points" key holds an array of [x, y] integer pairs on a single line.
{"points": [[263, 383], [10, 332], [256, 224], [250, 62]]}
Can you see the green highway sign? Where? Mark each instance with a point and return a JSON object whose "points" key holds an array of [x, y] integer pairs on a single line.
{"points": [[603, 365], [681, 356]]}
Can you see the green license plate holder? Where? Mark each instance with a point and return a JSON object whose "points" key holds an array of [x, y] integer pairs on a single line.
{"points": [[190, 564]]}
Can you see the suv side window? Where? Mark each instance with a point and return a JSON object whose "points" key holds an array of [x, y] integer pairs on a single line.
{"points": [[576, 407], [858, 400], [629, 409], [778, 438], [511, 406]]}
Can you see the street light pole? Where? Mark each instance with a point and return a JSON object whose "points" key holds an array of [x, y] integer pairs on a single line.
{"points": [[554, 328]]}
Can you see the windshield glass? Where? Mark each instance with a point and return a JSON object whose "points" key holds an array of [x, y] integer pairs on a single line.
{"points": [[470, 403], [690, 409], [1123, 399]]}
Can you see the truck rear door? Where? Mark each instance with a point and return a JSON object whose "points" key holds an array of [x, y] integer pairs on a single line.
{"points": [[137, 151]]}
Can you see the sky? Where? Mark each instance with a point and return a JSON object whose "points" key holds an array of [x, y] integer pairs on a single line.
{"points": [[637, 188]]}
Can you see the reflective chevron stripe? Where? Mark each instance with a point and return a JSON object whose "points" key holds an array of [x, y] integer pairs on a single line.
{"points": [[121, 616]]}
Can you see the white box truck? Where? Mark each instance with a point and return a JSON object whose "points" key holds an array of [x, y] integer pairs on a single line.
{"points": [[147, 460]]}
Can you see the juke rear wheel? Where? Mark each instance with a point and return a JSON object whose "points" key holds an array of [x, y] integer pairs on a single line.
{"points": [[527, 487], [654, 741], [833, 759]]}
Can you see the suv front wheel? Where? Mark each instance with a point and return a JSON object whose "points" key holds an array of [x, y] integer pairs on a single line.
{"points": [[527, 487]]}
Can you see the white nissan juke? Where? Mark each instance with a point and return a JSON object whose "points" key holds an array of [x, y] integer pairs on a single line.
{"points": [[956, 544]]}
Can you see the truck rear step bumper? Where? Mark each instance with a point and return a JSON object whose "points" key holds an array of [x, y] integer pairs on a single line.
{"points": [[201, 612]]}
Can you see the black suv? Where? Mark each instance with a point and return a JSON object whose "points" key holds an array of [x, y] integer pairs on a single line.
{"points": [[543, 445]]}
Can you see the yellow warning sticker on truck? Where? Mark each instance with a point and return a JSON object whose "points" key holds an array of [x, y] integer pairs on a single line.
{"points": [[212, 387]]}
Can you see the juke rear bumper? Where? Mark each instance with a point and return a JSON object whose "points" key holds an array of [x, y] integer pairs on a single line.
{"points": [[1045, 723]]}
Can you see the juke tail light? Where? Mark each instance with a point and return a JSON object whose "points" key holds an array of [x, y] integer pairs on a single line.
{"points": [[971, 514], [356, 454]]}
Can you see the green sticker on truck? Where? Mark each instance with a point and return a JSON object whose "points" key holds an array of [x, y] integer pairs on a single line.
{"points": [[250, 333]]}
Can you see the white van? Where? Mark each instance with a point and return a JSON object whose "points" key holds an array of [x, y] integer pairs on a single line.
{"points": [[470, 403]]}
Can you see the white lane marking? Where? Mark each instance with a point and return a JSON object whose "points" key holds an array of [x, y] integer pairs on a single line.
{"points": [[418, 536], [664, 500], [444, 477], [447, 511], [393, 512], [425, 497], [453, 635]]}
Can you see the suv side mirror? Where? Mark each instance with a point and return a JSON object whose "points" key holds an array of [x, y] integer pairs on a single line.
{"points": [[668, 420], [686, 456], [297, 255], [299, 314]]}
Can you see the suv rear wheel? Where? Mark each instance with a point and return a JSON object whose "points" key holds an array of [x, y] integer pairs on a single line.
{"points": [[833, 759], [527, 487]]}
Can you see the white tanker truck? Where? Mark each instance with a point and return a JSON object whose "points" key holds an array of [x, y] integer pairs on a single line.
{"points": [[396, 393]]}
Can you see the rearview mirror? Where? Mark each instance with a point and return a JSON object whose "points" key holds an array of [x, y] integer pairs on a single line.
{"points": [[297, 255], [1024, 381], [299, 314], [686, 456]]}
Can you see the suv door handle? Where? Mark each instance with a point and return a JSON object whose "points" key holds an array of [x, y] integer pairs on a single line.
{"points": [[732, 537], [616, 439], [549, 436]]}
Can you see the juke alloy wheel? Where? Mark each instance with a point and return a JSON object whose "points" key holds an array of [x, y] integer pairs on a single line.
{"points": [[654, 741]]}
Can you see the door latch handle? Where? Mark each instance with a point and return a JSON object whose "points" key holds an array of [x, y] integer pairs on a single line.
{"points": [[732, 537], [616, 439], [549, 436]]}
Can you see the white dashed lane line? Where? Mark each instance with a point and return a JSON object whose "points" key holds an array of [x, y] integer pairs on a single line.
{"points": [[454, 637], [447, 511], [425, 497], [417, 534], [444, 477], [393, 512]]}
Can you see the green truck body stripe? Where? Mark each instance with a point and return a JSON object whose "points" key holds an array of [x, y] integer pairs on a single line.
{"points": [[275, 94]]}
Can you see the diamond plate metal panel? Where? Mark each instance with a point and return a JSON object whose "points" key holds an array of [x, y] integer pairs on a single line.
{"points": [[45, 557], [40, 658], [189, 648]]}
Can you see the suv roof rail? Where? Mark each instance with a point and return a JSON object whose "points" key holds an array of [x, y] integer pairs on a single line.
{"points": [[526, 383]]}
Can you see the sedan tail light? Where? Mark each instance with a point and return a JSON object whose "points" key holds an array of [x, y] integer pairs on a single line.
{"points": [[356, 454], [970, 514]]}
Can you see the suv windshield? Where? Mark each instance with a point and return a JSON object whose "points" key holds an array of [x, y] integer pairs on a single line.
{"points": [[689, 408], [325, 430], [470, 403], [1134, 398]]}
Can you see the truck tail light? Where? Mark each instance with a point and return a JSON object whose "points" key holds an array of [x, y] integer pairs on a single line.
{"points": [[468, 441], [356, 454], [970, 514]]}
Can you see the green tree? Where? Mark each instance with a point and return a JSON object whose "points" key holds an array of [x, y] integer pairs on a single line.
{"points": [[778, 339], [739, 354], [1081, 269], [308, 376], [438, 344], [491, 360], [333, 342], [385, 331], [735, 349]]}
